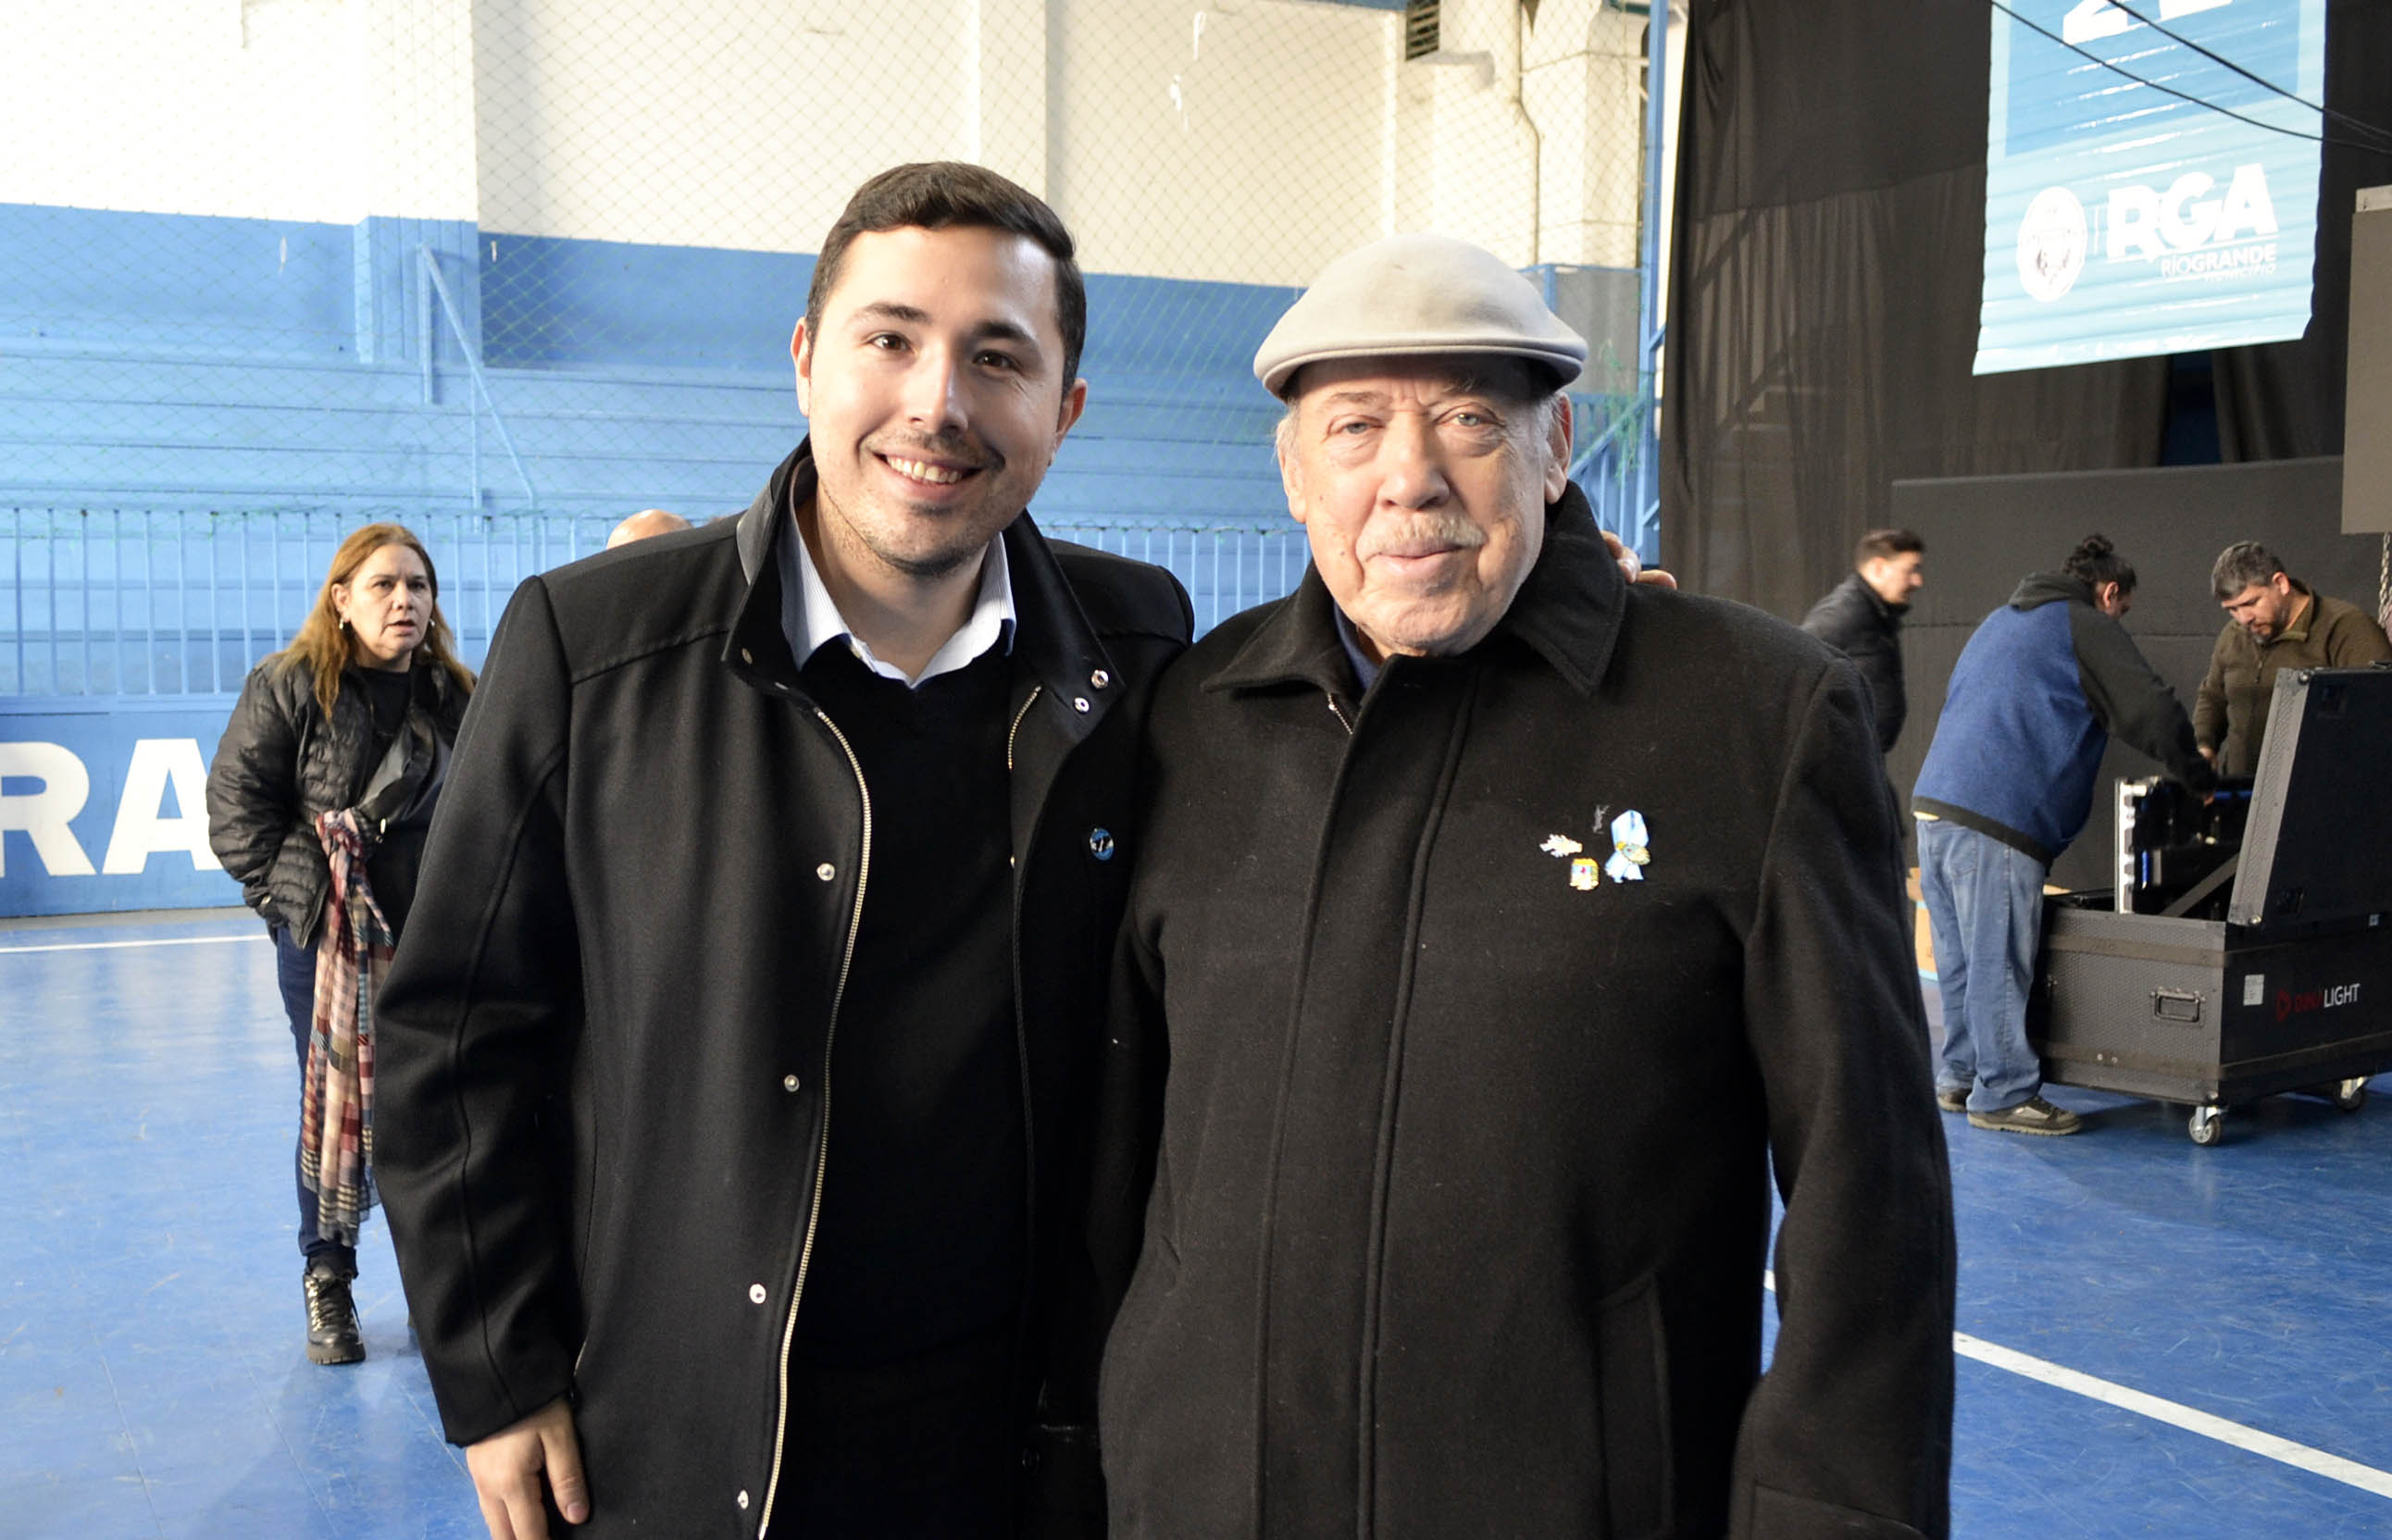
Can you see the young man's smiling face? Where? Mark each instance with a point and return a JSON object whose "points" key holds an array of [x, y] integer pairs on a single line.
{"points": [[934, 393]]}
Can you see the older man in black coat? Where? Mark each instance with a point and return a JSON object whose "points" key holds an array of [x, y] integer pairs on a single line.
{"points": [[1501, 926]]}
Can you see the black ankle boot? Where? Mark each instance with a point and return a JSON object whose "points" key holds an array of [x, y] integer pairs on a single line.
{"points": [[332, 1336]]}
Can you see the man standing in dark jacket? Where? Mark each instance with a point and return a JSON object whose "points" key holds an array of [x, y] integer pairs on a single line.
{"points": [[1860, 617], [1499, 926], [2008, 781], [834, 795]]}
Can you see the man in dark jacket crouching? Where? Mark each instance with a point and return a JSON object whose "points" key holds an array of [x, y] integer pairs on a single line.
{"points": [[828, 796], [1499, 926]]}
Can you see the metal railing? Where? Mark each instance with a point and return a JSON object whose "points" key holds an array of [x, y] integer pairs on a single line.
{"points": [[1616, 466], [172, 602]]}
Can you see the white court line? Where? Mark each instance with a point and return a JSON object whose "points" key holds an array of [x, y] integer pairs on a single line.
{"points": [[2318, 1462], [157, 941], [2299, 1456]]}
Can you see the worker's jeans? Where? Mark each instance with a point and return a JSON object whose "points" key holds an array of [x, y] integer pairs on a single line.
{"points": [[1984, 903]]}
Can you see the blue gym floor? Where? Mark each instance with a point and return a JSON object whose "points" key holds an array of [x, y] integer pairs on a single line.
{"points": [[2157, 1338]]}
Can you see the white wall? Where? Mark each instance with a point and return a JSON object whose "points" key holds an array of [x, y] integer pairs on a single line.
{"points": [[706, 123], [175, 107], [1583, 82], [1239, 140], [1244, 140]]}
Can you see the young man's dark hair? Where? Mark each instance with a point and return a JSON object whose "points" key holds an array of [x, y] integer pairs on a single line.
{"points": [[1885, 543], [2096, 561], [939, 195], [2238, 566]]}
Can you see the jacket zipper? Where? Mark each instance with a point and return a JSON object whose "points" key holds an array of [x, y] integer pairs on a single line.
{"points": [[1339, 712], [1015, 730], [1020, 876], [822, 1143]]}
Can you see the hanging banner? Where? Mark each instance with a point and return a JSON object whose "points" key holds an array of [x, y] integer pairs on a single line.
{"points": [[2122, 220]]}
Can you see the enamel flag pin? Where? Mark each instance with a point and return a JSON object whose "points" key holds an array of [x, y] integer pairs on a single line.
{"points": [[1629, 852]]}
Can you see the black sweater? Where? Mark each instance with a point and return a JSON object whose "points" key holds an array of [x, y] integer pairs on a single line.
{"points": [[923, 1187]]}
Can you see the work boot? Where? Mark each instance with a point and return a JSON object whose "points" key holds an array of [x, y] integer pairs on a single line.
{"points": [[332, 1336], [2033, 1115]]}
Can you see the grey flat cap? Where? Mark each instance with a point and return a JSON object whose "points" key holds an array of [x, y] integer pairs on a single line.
{"points": [[1413, 296]]}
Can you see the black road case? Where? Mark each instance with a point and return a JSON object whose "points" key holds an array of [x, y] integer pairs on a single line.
{"points": [[2174, 985]]}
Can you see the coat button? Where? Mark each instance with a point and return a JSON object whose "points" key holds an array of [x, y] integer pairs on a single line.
{"points": [[1079, 703], [755, 1294], [1100, 678], [747, 656], [825, 870], [1101, 844], [743, 1500], [788, 1082]]}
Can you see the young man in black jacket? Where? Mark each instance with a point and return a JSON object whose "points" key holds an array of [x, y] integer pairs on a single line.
{"points": [[1860, 617], [836, 795]]}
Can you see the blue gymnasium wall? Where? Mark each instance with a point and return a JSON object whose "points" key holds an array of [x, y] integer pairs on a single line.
{"points": [[173, 372], [192, 361]]}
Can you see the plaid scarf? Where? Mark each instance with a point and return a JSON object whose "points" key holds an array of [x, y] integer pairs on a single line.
{"points": [[336, 1105]]}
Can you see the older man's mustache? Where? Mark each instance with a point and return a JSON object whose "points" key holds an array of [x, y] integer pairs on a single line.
{"points": [[1419, 535]]}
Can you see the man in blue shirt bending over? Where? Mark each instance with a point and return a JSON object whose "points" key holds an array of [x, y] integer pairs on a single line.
{"points": [[2008, 781]]}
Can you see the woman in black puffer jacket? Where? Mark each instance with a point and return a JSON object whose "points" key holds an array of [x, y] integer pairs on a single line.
{"points": [[317, 803]]}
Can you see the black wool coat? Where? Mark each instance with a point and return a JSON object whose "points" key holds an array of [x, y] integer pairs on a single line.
{"points": [[281, 761], [603, 1097], [1857, 621], [1461, 1207]]}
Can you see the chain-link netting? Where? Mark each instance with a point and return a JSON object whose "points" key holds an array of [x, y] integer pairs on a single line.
{"points": [[508, 270]]}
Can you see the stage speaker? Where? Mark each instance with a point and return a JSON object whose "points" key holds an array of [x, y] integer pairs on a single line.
{"points": [[2367, 427]]}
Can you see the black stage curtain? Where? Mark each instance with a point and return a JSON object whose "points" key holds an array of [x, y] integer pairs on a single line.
{"points": [[1825, 278], [2284, 400]]}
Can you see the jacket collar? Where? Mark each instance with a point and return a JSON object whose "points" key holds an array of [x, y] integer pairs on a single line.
{"points": [[1051, 638], [1568, 611], [1884, 608]]}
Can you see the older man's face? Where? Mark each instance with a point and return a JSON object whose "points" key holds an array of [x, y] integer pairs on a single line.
{"points": [[1422, 489]]}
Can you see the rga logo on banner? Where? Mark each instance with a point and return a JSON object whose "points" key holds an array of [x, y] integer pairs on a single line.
{"points": [[142, 829], [2191, 235], [2188, 233]]}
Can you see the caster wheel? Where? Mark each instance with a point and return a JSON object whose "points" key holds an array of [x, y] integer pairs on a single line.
{"points": [[2350, 1095], [2206, 1124]]}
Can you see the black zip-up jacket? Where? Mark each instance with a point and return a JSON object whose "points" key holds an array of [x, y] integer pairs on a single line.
{"points": [[1462, 1203], [1854, 620], [280, 763], [602, 1102]]}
